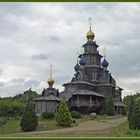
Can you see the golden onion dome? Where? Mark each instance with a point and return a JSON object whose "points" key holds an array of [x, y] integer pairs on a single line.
{"points": [[50, 80], [90, 35]]}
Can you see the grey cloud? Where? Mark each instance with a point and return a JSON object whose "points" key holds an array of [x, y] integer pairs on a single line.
{"points": [[32, 83], [52, 38], [2, 83], [40, 56], [13, 89], [29, 32], [55, 38], [19, 80], [1, 71]]}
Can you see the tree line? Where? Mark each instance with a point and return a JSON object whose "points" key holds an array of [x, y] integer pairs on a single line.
{"points": [[15, 106]]}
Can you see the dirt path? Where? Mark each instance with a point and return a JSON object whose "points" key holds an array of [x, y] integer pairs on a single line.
{"points": [[89, 127]]}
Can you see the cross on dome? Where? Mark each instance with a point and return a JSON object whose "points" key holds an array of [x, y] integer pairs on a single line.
{"points": [[90, 22], [90, 35]]}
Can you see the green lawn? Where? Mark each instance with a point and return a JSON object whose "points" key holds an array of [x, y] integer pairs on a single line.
{"points": [[123, 131], [11, 126]]}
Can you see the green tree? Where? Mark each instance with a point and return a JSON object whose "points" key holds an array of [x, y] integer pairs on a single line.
{"points": [[130, 112], [127, 100], [134, 114], [63, 116], [110, 110], [29, 119], [15, 106]]}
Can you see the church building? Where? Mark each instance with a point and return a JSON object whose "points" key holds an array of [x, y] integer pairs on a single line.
{"points": [[49, 99], [92, 84], [90, 88]]}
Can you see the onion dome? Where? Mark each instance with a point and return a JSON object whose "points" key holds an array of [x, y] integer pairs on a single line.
{"points": [[50, 80], [105, 63], [90, 35], [76, 67], [82, 61]]}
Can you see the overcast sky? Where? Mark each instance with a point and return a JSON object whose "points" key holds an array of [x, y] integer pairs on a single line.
{"points": [[34, 35]]}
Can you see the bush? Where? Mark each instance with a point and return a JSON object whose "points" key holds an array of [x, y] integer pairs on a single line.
{"points": [[29, 119], [134, 114], [74, 121], [76, 114], [63, 116], [48, 115]]}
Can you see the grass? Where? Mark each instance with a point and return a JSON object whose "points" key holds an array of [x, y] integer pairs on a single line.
{"points": [[11, 126], [3, 121], [123, 131], [47, 124]]}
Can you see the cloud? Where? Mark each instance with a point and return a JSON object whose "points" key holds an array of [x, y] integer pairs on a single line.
{"points": [[1, 71], [33, 38], [40, 56], [2, 83], [18, 86], [19, 80]]}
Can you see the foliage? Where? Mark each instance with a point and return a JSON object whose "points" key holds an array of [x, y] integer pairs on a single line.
{"points": [[73, 121], [63, 116], [76, 114], [124, 111], [127, 100], [48, 115], [110, 110], [130, 112], [29, 119], [10, 126], [134, 114], [3, 121], [15, 106]]}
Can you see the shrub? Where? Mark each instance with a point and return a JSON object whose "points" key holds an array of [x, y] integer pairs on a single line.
{"points": [[63, 116], [134, 114], [74, 121], [29, 119], [76, 114], [48, 115]]}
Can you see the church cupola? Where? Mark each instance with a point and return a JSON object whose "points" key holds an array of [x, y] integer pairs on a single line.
{"points": [[90, 34], [82, 61], [77, 67], [50, 80], [105, 63]]}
